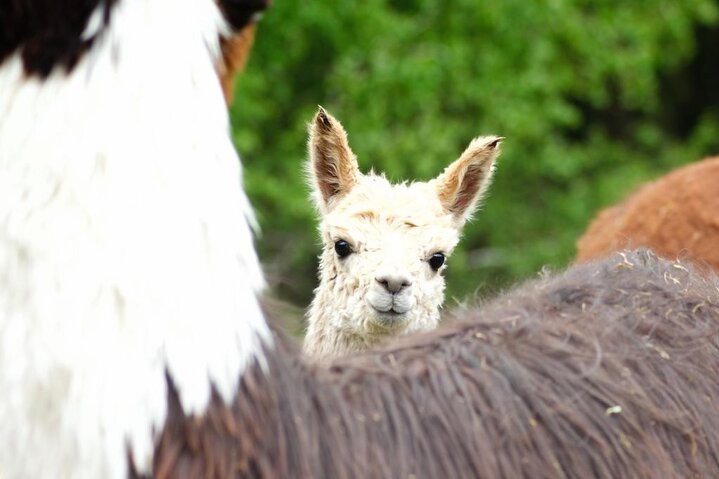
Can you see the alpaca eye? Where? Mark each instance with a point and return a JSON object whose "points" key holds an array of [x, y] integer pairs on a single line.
{"points": [[342, 248], [436, 261]]}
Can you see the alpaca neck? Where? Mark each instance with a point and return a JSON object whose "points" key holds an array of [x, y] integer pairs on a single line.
{"points": [[125, 250], [325, 340]]}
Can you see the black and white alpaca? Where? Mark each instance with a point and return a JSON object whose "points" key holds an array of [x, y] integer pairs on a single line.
{"points": [[125, 242], [127, 266]]}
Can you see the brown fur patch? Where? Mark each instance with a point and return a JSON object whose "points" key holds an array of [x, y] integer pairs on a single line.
{"points": [[235, 53], [608, 370], [367, 215], [242, 16], [676, 216]]}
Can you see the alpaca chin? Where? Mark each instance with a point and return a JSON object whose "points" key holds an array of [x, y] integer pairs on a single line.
{"points": [[388, 321]]}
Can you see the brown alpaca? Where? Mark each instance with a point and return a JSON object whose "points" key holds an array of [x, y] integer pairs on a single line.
{"points": [[676, 216], [607, 370]]}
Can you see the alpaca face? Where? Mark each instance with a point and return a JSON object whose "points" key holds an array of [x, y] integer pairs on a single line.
{"points": [[384, 253], [384, 246]]}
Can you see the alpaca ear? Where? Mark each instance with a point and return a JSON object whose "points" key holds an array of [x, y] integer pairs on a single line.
{"points": [[333, 167], [463, 183]]}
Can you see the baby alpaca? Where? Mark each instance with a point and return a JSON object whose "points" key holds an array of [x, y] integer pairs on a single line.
{"points": [[384, 246]]}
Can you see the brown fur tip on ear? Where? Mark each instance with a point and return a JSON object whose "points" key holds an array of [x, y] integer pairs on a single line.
{"points": [[481, 150], [495, 142], [322, 118], [485, 143]]}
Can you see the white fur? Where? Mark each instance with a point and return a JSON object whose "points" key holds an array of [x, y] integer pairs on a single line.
{"points": [[124, 251]]}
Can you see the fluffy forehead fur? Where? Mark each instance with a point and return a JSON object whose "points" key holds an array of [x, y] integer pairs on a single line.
{"points": [[388, 282], [375, 209]]}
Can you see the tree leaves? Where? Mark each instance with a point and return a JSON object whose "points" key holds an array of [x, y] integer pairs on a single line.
{"points": [[579, 88]]}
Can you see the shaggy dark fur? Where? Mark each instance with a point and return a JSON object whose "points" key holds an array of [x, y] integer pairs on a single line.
{"points": [[240, 13], [47, 33], [610, 370]]}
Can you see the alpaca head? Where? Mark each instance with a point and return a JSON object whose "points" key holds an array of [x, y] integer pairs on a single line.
{"points": [[385, 246]]}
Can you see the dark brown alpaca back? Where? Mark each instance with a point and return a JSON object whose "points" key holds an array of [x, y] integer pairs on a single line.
{"points": [[610, 370]]}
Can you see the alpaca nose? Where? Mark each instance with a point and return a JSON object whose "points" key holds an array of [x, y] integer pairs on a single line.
{"points": [[394, 283]]}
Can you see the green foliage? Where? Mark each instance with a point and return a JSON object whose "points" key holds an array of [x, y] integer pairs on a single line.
{"points": [[581, 89]]}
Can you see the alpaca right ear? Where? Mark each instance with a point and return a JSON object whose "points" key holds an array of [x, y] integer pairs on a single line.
{"points": [[463, 183], [333, 167]]}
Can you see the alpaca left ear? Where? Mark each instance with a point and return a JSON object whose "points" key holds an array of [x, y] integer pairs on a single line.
{"points": [[463, 183], [333, 167]]}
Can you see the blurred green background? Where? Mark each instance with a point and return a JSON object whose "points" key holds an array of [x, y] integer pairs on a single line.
{"points": [[594, 97]]}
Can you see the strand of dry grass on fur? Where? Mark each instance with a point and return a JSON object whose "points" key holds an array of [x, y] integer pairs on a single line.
{"points": [[677, 216], [608, 370]]}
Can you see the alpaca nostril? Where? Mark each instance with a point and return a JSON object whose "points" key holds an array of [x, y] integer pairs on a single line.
{"points": [[393, 283]]}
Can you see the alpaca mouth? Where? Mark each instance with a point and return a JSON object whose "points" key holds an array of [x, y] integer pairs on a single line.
{"points": [[389, 310], [390, 318], [393, 310]]}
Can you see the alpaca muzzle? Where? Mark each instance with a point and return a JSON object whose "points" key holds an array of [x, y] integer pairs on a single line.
{"points": [[389, 303]]}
